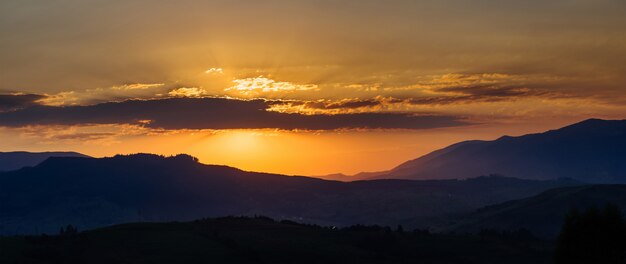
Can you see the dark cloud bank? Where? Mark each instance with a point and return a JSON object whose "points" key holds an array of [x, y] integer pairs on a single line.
{"points": [[17, 101], [211, 113]]}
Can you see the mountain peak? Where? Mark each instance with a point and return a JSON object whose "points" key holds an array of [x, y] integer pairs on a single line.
{"points": [[595, 123], [593, 150]]}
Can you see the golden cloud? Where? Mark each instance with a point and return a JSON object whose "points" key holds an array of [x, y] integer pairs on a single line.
{"points": [[137, 86], [96, 95], [188, 92], [214, 71], [258, 85]]}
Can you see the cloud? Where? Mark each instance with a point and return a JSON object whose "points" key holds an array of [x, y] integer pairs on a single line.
{"points": [[10, 102], [489, 86], [214, 71], [460, 79], [99, 95], [258, 85], [84, 136], [100, 134], [439, 91], [67, 98], [489, 92], [137, 86], [452, 84], [188, 92], [214, 113], [326, 106], [457, 96]]}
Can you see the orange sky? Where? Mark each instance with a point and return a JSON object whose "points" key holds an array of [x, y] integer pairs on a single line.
{"points": [[285, 152], [481, 68]]}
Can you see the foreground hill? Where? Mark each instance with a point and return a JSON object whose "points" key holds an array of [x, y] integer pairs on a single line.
{"points": [[590, 151], [262, 240], [543, 214], [20, 159], [89, 193]]}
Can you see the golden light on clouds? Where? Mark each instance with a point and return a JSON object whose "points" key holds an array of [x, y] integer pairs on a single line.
{"points": [[486, 63], [259, 85], [137, 86], [113, 93], [288, 152], [214, 71], [188, 92]]}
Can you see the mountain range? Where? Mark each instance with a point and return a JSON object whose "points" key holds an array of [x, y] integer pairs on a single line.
{"points": [[93, 192], [546, 175], [592, 151]]}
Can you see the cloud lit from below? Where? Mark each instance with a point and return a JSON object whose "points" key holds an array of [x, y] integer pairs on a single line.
{"points": [[16, 101], [215, 113], [214, 71], [188, 92], [260, 85]]}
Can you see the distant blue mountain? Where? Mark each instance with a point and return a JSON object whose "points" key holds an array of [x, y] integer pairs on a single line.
{"points": [[20, 159], [590, 151]]}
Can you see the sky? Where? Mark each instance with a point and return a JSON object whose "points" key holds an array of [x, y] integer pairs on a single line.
{"points": [[302, 87]]}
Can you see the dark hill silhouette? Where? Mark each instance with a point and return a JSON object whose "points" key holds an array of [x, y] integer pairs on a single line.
{"points": [[263, 240], [543, 214], [20, 159], [90, 192], [591, 151]]}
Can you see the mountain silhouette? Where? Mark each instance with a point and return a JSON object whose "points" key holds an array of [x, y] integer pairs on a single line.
{"points": [[592, 151], [94, 192], [19, 159], [543, 214]]}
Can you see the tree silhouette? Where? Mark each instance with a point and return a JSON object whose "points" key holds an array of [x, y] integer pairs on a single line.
{"points": [[593, 236], [69, 230]]}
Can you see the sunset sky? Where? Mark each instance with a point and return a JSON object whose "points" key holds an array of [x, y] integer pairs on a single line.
{"points": [[302, 87]]}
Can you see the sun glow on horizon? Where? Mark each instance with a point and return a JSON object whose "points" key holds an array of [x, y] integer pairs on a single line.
{"points": [[353, 71], [306, 153]]}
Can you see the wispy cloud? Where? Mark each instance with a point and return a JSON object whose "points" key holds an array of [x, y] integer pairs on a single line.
{"points": [[443, 91], [137, 86], [99, 134], [98, 95]]}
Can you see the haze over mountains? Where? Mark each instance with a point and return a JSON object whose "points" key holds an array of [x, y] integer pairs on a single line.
{"points": [[18, 159], [89, 192], [591, 151], [95, 192]]}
